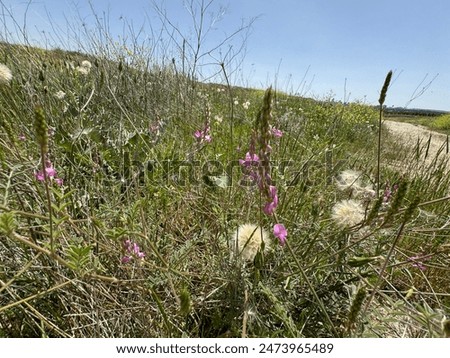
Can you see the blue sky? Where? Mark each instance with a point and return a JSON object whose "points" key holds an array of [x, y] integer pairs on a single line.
{"points": [[315, 47]]}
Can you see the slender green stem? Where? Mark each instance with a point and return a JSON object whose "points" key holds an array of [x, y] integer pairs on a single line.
{"points": [[311, 287], [379, 148], [383, 268], [49, 202]]}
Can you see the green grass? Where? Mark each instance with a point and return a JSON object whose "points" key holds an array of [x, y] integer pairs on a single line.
{"points": [[122, 139]]}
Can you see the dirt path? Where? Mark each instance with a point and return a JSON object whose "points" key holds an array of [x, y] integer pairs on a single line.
{"points": [[408, 134]]}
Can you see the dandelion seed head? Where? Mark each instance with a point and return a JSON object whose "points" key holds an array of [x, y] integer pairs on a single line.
{"points": [[249, 239], [86, 64], [347, 213], [349, 179], [83, 70], [5, 74]]}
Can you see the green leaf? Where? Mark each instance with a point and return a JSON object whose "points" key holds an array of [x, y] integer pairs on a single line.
{"points": [[358, 261]]}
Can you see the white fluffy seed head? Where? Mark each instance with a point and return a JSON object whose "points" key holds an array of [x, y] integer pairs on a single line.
{"points": [[247, 241], [5, 74], [349, 179], [347, 213]]}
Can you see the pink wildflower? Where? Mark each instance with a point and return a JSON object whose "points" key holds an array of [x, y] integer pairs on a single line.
{"points": [[50, 171], [125, 259], [416, 262], [22, 137], [270, 207], [203, 135], [198, 134], [280, 232], [249, 159], [39, 176], [276, 132], [132, 251]]}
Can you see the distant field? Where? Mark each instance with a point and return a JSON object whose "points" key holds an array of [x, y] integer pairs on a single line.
{"points": [[437, 123]]}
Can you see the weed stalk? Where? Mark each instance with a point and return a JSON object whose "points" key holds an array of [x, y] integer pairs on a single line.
{"points": [[381, 102]]}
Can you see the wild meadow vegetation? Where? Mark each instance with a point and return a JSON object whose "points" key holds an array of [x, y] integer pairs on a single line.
{"points": [[139, 201]]}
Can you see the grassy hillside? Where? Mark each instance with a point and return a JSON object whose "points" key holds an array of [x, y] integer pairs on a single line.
{"points": [[123, 185]]}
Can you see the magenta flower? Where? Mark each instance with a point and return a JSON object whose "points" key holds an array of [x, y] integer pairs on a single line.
{"points": [[125, 259], [416, 262], [280, 232], [132, 251], [22, 137], [249, 159], [198, 134], [276, 132], [50, 173], [270, 207], [203, 135], [39, 176]]}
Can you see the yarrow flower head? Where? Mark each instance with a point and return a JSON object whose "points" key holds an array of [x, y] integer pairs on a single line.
{"points": [[5, 74], [248, 239], [280, 233], [131, 251], [347, 213]]}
